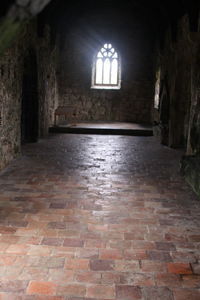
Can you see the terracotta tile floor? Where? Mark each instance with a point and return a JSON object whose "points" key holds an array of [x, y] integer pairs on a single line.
{"points": [[98, 217]]}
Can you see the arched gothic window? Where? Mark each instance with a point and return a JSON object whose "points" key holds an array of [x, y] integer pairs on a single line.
{"points": [[106, 68]]}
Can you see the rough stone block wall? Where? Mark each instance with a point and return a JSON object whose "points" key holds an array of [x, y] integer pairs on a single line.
{"points": [[132, 103], [194, 124], [47, 82], [104, 105], [12, 66], [180, 86], [10, 103], [176, 63]]}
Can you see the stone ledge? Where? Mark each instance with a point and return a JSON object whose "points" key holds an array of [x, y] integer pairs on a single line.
{"points": [[106, 131]]}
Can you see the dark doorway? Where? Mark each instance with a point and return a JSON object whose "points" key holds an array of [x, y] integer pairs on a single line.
{"points": [[164, 111], [30, 114]]}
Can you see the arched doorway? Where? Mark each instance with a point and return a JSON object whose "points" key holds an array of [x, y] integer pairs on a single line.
{"points": [[30, 113]]}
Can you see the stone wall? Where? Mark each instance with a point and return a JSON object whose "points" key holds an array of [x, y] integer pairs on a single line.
{"points": [[13, 69], [11, 66], [194, 122], [133, 102], [47, 81], [178, 115], [176, 63], [9, 131], [190, 164]]}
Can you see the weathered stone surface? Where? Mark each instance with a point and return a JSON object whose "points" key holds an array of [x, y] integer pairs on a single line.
{"points": [[13, 68], [132, 103], [177, 93], [190, 168], [177, 118]]}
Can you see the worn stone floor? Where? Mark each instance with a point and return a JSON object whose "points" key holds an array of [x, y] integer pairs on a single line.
{"points": [[98, 218]]}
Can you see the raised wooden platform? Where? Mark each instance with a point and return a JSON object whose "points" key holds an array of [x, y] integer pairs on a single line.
{"points": [[116, 128]]}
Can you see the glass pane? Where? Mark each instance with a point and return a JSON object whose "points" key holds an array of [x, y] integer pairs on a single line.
{"points": [[115, 55], [112, 50], [99, 71], [109, 54], [106, 73], [106, 46], [103, 50], [99, 55], [109, 46], [114, 71]]}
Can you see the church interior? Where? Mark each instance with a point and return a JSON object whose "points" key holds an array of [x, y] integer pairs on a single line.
{"points": [[99, 150]]}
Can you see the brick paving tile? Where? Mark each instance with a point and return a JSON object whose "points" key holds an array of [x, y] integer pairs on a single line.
{"points": [[51, 262], [73, 243], [153, 266], [101, 291], [75, 289], [157, 293], [7, 260], [101, 265], [137, 279], [185, 294], [16, 286], [159, 255], [128, 292], [179, 268], [77, 264], [191, 281], [48, 298], [41, 288], [81, 298], [135, 254], [30, 273], [18, 249], [110, 278], [79, 227], [87, 253], [110, 254], [167, 279], [10, 296]]}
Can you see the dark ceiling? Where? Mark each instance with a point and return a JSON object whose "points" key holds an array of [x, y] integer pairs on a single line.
{"points": [[156, 8], [158, 12], [161, 11], [155, 15]]}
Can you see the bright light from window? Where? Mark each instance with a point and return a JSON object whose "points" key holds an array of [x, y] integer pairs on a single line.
{"points": [[157, 91], [100, 54], [114, 71], [106, 73], [99, 73]]}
